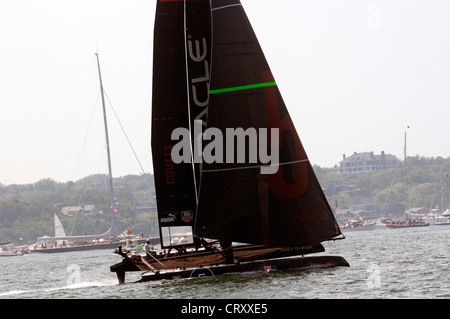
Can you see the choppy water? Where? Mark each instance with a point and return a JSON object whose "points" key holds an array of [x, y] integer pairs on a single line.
{"points": [[385, 263]]}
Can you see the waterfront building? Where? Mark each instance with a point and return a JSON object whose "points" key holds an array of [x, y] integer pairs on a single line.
{"points": [[366, 162]]}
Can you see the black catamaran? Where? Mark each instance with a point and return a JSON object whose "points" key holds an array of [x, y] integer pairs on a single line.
{"points": [[211, 81]]}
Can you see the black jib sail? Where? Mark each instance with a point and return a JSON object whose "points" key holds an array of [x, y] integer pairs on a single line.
{"points": [[237, 201]]}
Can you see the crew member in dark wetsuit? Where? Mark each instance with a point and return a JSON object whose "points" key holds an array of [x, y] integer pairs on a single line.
{"points": [[226, 247]]}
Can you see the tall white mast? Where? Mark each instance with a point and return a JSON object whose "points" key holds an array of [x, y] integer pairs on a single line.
{"points": [[110, 180], [405, 180], [406, 186]]}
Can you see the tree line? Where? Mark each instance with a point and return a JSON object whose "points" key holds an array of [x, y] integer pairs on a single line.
{"points": [[385, 190], [26, 211]]}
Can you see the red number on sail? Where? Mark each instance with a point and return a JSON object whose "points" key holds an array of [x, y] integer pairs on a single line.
{"points": [[277, 182]]}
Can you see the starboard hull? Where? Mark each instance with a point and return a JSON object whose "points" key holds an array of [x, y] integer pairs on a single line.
{"points": [[267, 265], [197, 264]]}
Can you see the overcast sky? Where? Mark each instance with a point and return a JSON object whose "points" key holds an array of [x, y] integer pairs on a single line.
{"points": [[353, 73]]}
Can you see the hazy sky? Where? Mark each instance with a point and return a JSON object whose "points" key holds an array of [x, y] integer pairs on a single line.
{"points": [[353, 73]]}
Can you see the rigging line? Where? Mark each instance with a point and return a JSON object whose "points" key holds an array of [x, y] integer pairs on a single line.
{"points": [[250, 167], [228, 6], [123, 130], [434, 196], [85, 136], [242, 87], [82, 98], [390, 187], [439, 177]]}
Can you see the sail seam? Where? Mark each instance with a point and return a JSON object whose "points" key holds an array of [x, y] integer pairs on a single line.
{"points": [[228, 6], [249, 167], [243, 87]]}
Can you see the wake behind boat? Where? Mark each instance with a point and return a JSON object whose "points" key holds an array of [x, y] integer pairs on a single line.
{"points": [[210, 81]]}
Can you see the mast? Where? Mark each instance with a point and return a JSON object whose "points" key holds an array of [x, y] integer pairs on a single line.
{"points": [[442, 197], [110, 181], [406, 186], [197, 50]]}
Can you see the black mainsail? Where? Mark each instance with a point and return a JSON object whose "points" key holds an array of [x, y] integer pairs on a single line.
{"points": [[236, 202]]}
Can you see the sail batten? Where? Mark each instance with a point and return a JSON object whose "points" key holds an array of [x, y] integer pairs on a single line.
{"points": [[253, 167], [227, 6], [242, 87]]}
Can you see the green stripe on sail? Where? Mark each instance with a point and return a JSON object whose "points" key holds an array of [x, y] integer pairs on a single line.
{"points": [[243, 87]]}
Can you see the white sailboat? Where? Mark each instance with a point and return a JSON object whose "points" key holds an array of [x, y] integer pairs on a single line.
{"points": [[61, 242], [407, 221], [444, 219]]}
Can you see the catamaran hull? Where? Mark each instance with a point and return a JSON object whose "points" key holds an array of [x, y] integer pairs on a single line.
{"points": [[266, 265]]}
